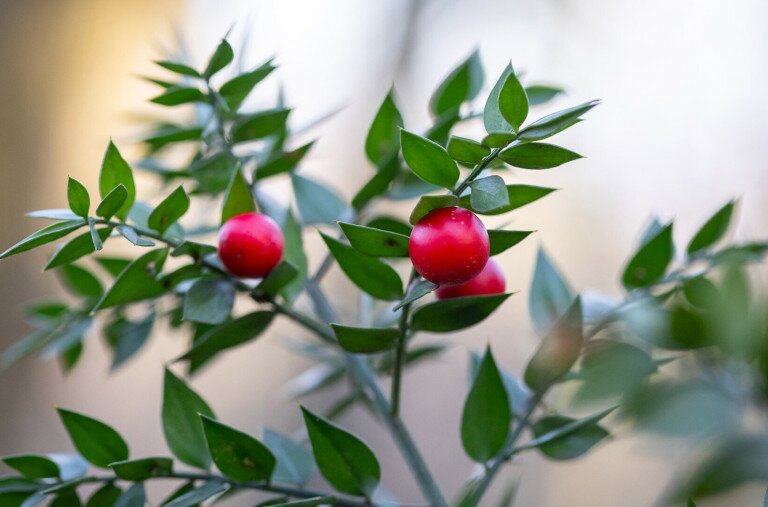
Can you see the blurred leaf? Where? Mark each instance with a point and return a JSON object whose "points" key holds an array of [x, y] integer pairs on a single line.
{"points": [[502, 240], [112, 202], [95, 238], [537, 156], [126, 337], [53, 214], [198, 495], [455, 314], [277, 279], [428, 203], [441, 128], [133, 237], [81, 282], [44, 236], [564, 438], [238, 198], [179, 68], [209, 301], [513, 102], [375, 242], [650, 262], [383, 137], [517, 392], [171, 134], [176, 95], [555, 122], [259, 125], [137, 281], [486, 415], [343, 459], [96, 441], [220, 59], [713, 230], [541, 94], [360, 340], [213, 173], [467, 151], [317, 203], [387, 172], [417, 291], [370, 274], [181, 422], [115, 171], [238, 455], [462, 85], [237, 89], [105, 496], [558, 351], [488, 194], [193, 249], [79, 200], [428, 160], [294, 462], [550, 295], [169, 211], [282, 163], [32, 466], [142, 469], [294, 253], [519, 196]]}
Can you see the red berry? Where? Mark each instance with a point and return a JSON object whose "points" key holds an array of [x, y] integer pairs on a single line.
{"points": [[250, 245], [489, 281], [449, 246]]}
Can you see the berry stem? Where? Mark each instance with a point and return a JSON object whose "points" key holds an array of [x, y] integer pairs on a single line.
{"points": [[397, 371]]}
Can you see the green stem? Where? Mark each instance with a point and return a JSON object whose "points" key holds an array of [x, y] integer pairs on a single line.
{"points": [[397, 372], [477, 170]]}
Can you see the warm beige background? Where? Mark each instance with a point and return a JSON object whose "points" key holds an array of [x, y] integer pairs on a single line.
{"points": [[682, 130]]}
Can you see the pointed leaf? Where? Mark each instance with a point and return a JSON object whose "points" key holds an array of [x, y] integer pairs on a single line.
{"points": [[550, 295], [519, 196], [259, 125], [387, 171], [142, 469], [238, 198], [502, 240], [713, 230], [181, 422], [488, 194], [375, 242], [462, 85], [94, 440], [238, 455], [32, 466], [220, 59], [541, 94], [651, 261], [555, 122], [209, 301], [564, 438], [170, 210], [176, 95], [115, 171], [428, 203], [537, 156], [428, 160], [513, 102], [294, 462], [467, 151], [79, 200], [317, 203], [360, 340], [137, 281], [383, 137], [493, 120], [112, 202], [237, 89], [417, 291], [455, 314], [178, 68], [198, 495]]}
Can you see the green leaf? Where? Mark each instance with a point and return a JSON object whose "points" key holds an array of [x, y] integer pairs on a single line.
{"points": [[383, 137], [417, 291], [113, 265], [555, 122], [32, 466], [558, 351], [178, 68], [43, 236], [388, 223], [317, 203], [209, 301], [462, 85], [220, 59], [193, 249], [230, 334], [650, 262], [370, 274], [176, 95], [428, 160], [455, 314], [170, 134], [441, 128], [488, 194], [428, 203], [564, 438], [499, 139], [81, 281], [238, 198], [277, 279], [112, 202], [141, 469], [537, 156], [126, 337], [493, 120], [94, 440], [198, 495], [513, 102], [238, 456], [294, 462], [541, 94], [238, 88], [137, 281], [375, 242], [133, 237], [294, 253], [713, 230], [691, 503], [343, 459], [259, 125], [79, 200], [379, 183], [486, 415], [95, 237], [283, 163], [53, 214], [502, 240], [550, 294], [359, 340], [467, 151], [105, 496], [181, 422], [170, 210], [115, 171], [519, 196]]}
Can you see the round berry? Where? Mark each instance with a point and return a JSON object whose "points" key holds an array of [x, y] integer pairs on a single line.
{"points": [[250, 245], [489, 281], [449, 246]]}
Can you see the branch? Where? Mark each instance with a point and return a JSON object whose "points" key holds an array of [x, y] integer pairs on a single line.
{"points": [[402, 340]]}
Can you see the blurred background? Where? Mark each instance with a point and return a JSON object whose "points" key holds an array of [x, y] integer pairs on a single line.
{"points": [[680, 132]]}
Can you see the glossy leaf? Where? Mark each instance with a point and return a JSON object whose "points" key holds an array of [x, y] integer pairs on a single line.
{"points": [[170, 210], [488, 194], [294, 462], [115, 171], [555, 122], [455, 314], [238, 455], [502, 240], [259, 125], [137, 281], [493, 120], [142, 469], [94, 440], [238, 198], [713, 230], [32, 466], [112, 202], [375, 242], [181, 422], [486, 415], [519, 196], [428, 160], [513, 102], [317, 203], [462, 85], [650, 262], [537, 156], [220, 59], [383, 137], [209, 301], [550, 295], [44, 236], [467, 151], [79, 200], [343, 459], [360, 340], [428, 203]]}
